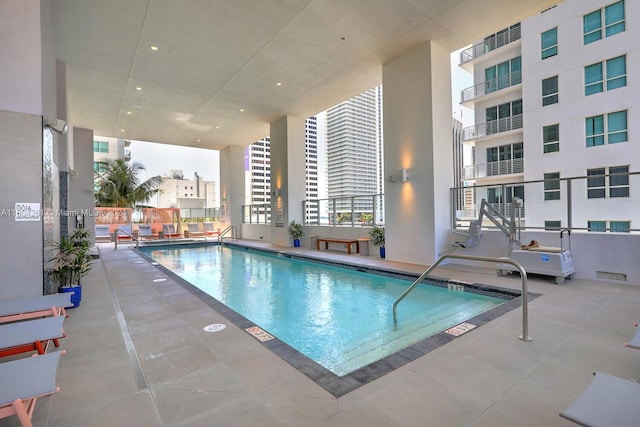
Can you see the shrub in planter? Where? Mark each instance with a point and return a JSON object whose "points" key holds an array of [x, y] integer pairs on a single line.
{"points": [[377, 239], [296, 232], [71, 263]]}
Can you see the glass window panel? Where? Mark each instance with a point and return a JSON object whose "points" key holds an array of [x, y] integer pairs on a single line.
{"points": [[593, 79], [549, 43], [615, 179], [551, 148], [592, 27], [597, 226], [492, 113], [550, 91], [518, 150], [552, 225], [617, 72], [617, 127], [551, 133], [516, 107], [620, 226], [619, 192], [614, 18], [595, 130]]}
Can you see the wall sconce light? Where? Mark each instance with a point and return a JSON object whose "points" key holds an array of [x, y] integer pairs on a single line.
{"points": [[405, 175], [58, 125]]}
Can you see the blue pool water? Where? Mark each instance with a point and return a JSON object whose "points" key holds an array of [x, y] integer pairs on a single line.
{"points": [[338, 317]]}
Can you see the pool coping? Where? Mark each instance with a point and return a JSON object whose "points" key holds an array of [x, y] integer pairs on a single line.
{"points": [[340, 385]]}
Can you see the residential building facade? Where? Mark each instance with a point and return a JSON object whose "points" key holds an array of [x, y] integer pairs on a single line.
{"points": [[178, 192], [554, 100]]}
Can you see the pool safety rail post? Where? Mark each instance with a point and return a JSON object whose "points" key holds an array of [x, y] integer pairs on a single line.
{"points": [[523, 275]]}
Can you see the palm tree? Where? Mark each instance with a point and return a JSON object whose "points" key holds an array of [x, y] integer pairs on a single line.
{"points": [[119, 186]]}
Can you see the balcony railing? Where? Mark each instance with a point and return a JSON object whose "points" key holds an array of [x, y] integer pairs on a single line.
{"points": [[502, 167], [490, 128], [489, 44], [490, 86]]}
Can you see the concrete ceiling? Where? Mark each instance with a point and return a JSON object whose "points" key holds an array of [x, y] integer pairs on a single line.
{"points": [[216, 57]]}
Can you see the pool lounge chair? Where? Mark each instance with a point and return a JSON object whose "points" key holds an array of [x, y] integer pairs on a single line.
{"points": [[33, 307], [209, 230], [124, 232], [30, 335], [169, 231], [194, 230], [102, 233], [23, 381], [144, 232], [608, 401], [635, 341]]}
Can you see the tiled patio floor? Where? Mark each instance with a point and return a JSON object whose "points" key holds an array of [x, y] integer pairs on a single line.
{"points": [[137, 355]]}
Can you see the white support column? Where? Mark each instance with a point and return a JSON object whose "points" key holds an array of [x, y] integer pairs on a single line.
{"points": [[232, 176], [287, 161], [418, 138]]}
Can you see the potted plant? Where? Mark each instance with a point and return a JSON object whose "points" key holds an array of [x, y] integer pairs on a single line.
{"points": [[377, 238], [296, 232], [71, 263]]}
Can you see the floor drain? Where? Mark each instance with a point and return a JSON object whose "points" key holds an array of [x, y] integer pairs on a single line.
{"points": [[216, 327]]}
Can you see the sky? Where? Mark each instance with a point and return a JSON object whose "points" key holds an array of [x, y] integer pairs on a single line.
{"points": [[158, 159]]}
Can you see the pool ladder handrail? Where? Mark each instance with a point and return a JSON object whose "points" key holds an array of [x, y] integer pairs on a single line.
{"points": [[523, 274], [234, 233], [133, 238]]}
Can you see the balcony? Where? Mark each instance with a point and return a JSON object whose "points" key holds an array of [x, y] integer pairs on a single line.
{"points": [[490, 43], [502, 167], [490, 86], [493, 127]]}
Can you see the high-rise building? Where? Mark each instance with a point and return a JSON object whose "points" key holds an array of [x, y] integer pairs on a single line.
{"points": [[554, 98], [354, 151], [258, 172]]}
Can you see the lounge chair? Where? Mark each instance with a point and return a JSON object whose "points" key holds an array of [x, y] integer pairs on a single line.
{"points": [[144, 232], [209, 230], [169, 231], [23, 381], [124, 232], [30, 335], [194, 230], [608, 401], [635, 341], [102, 233], [33, 307]]}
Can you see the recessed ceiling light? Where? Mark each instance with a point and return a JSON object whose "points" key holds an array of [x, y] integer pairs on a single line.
{"points": [[197, 140], [121, 130], [242, 110], [217, 127], [343, 38], [154, 47], [128, 112], [138, 88], [278, 84]]}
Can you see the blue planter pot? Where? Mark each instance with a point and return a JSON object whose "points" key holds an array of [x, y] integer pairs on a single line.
{"points": [[296, 243], [77, 294], [382, 253]]}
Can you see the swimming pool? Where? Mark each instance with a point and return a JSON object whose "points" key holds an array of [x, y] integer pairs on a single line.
{"points": [[340, 318]]}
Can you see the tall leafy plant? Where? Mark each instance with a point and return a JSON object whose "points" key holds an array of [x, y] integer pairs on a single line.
{"points": [[119, 186], [72, 260]]}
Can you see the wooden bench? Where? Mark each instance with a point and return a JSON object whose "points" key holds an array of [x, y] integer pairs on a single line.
{"points": [[347, 242]]}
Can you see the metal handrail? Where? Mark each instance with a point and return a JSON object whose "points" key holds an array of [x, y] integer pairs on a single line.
{"points": [[134, 238], [234, 233], [523, 275]]}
